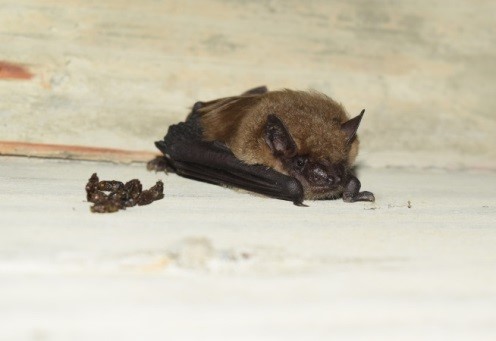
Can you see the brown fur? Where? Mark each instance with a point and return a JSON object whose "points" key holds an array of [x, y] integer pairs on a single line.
{"points": [[313, 119]]}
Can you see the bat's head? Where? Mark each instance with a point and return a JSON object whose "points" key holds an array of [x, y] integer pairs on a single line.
{"points": [[321, 165]]}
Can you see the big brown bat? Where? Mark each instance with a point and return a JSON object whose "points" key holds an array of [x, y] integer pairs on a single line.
{"points": [[290, 145]]}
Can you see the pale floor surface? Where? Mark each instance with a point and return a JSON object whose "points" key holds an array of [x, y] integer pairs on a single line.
{"points": [[208, 263]]}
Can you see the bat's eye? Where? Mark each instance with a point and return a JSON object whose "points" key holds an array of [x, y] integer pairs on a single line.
{"points": [[300, 161]]}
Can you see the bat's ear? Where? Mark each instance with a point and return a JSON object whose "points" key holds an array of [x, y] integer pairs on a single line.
{"points": [[278, 137], [350, 127]]}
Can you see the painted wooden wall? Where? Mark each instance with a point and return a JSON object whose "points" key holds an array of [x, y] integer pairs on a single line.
{"points": [[116, 73]]}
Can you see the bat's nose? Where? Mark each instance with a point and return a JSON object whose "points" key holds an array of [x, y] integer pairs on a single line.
{"points": [[333, 179], [322, 177]]}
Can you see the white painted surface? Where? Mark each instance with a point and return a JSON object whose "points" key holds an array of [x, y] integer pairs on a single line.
{"points": [[117, 73], [208, 263]]}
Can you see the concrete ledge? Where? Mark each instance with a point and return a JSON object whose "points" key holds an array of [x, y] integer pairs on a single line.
{"points": [[211, 263]]}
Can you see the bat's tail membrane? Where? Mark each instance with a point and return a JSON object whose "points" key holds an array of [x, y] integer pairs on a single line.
{"points": [[161, 146]]}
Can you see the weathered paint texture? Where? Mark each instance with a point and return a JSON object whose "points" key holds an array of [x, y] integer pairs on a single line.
{"points": [[116, 73], [13, 71]]}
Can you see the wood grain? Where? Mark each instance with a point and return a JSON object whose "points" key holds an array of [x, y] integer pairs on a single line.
{"points": [[57, 151], [116, 74]]}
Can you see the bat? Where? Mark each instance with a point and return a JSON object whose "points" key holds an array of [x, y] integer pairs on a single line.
{"points": [[289, 145]]}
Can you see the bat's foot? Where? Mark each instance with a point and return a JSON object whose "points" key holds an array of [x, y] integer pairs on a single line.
{"points": [[159, 164], [361, 196]]}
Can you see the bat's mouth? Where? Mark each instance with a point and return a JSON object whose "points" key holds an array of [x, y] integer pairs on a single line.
{"points": [[324, 189], [324, 192]]}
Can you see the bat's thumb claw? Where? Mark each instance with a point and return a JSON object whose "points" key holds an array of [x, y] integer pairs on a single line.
{"points": [[294, 191]]}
